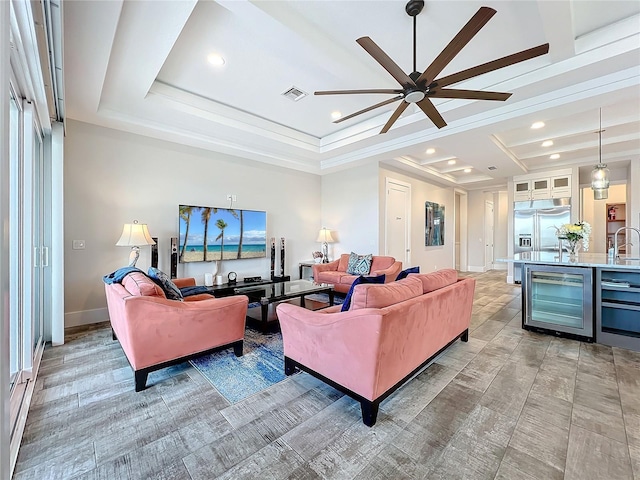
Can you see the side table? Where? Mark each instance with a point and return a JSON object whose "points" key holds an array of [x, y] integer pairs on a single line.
{"points": [[306, 264]]}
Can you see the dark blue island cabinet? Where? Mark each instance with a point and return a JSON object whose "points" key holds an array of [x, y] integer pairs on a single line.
{"points": [[617, 308]]}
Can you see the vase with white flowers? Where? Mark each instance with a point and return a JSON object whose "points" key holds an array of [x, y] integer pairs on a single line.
{"points": [[575, 234]]}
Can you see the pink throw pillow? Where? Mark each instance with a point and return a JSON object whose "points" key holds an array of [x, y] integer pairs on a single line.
{"points": [[435, 280], [140, 285], [383, 295]]}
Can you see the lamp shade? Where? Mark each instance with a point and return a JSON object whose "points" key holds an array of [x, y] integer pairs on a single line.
{"points": [[135, 234], [324, 236], [600, 181], [600, 173]]}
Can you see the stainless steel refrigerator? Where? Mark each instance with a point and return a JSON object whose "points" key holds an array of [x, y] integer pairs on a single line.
{"points": [[533, 227]]}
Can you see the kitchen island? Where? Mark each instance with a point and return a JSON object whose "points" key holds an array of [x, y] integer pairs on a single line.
{"points": [[590, 297], [582, 259]]}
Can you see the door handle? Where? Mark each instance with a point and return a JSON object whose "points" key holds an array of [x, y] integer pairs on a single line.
{"points": [[45, 257]]}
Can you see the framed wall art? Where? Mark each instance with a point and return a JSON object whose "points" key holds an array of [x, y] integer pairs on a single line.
{"points": [[434, 224]]}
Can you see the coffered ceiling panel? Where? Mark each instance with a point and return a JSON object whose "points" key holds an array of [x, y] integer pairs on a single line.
{"points": [[142, 66]]}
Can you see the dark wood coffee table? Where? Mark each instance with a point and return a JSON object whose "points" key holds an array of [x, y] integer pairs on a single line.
{"points": [[282, 291]]}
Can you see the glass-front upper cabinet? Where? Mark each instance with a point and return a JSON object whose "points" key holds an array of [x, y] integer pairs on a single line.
{"points": [[558, 300]]}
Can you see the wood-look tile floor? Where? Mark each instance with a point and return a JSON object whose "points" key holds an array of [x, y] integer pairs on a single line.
{"points": [[509, 404]]}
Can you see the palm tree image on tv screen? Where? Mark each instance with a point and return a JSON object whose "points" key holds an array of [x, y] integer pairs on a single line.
{"points": [[207, 234]]}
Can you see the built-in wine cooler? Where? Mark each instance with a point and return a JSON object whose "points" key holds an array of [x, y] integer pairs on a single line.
{"points": [[558, 300]]}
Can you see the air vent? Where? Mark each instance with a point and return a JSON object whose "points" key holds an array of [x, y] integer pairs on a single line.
{"points": [[492, 167], [295, 94]]}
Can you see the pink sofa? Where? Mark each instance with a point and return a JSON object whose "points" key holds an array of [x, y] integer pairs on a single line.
{"points": [[155, 332], [336, 272], [390, 332]]}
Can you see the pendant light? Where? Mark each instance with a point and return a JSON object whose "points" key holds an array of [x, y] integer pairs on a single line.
{"points": [[600, 173]]}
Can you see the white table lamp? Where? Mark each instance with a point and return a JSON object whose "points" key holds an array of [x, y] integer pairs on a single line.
{"points": [[133, 235], [324, 237]]}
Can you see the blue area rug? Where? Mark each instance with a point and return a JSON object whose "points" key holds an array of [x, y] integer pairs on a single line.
{"points": [[236, 378], [338, 299]]}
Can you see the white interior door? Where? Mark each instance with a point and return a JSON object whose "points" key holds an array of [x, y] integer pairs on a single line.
{"points": [[488, 235], [398, 221]]}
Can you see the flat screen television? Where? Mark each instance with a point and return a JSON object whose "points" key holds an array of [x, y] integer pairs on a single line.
{"points": [[207, 234]]}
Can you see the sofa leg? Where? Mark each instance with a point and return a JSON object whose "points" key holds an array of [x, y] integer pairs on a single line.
{"points": [[369, 412], [289, 367], [237, 348], [465, 336], [113, 334], [141, 379]]}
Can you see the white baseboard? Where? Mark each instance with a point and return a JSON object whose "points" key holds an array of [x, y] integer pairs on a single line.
{"points": [[85, 317], [500, 266], [477, 269]]}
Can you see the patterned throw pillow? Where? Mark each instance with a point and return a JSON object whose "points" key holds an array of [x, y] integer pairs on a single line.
{"points": [[162, 279], [359, 264], [405, 273], [347, 300]]}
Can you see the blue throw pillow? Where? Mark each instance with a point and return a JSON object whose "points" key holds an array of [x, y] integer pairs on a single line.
{"points": [[358, 281], [405, 273], [171, 291], [359, 264]]}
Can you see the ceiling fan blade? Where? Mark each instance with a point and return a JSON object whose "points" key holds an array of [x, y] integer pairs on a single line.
{"points": [[348, 92], [469, 94], [372, 107], [464, 36], [401, 108], [493, 65], [430, 111], [383, 59]]}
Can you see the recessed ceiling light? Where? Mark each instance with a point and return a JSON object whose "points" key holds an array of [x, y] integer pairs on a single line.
{"points": [[336, 115], [431, 151], [547, 143], [555, 156], [467, 170], [536, 125], [215, 59], [451, 162]]}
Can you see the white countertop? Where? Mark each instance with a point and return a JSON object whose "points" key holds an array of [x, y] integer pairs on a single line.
{"points": [[583, 259]]}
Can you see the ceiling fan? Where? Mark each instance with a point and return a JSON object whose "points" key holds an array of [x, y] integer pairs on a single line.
{"points": [[420, 87]]}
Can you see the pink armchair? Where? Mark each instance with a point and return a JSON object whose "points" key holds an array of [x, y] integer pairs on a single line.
{"points": [[336, 272], [155, 332]]}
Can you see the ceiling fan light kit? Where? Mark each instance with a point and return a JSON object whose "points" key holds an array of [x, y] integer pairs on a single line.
{"points": [[419, 87]]}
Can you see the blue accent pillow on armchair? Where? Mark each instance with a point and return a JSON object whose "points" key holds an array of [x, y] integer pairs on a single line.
{"points": [[164, 282], [358, 281], [359, 264], [405, 273]]}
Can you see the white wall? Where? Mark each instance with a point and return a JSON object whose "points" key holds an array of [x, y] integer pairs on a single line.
{"points": [[428, 258], [350, 210], [500, 233], [633, 204], [112, 177], [595, 213]]}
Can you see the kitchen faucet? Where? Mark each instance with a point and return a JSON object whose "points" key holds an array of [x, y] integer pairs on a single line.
{"points": [[616, 253]]}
